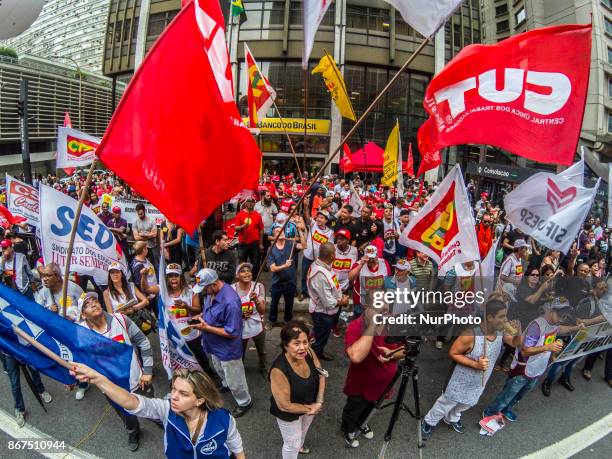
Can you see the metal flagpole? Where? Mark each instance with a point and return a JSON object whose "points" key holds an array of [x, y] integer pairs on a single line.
{"points": [[75, 224]]}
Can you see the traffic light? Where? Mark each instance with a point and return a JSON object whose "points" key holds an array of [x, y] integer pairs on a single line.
{"points": [[20, 108]]}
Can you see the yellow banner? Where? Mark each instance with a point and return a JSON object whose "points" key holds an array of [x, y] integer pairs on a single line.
{"points": [[335, 84], [292, 125], [390, 157]]}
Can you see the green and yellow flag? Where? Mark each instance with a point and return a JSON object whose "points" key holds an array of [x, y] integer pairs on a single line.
{"points": [[238, 10], [391, 157], [335, 84]]}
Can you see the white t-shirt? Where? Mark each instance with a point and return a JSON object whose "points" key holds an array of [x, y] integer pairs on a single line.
{"points": [[119, 301], [267, 214], [316, 237], [47, 298], [252, 320]]}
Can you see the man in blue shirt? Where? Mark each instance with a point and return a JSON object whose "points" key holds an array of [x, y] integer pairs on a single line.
{"points": [[221, 324]]}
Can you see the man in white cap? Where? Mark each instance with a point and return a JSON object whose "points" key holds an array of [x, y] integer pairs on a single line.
{"points": [[512, 269], [221, 324], [368, 275]]}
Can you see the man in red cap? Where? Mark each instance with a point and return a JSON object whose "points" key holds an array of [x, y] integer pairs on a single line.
{"points": [[118, 227]]}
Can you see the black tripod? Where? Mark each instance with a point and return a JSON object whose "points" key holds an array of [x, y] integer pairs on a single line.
{"points": [[407, 369]]}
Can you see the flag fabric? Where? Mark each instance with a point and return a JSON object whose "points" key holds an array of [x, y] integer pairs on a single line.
{"points": [[75, 148], [260, 94], [314, 10], [400, 165], [487, 269], [67, 339], [7, 219], [550, 208], [575, 173], [22, 200], [346, 163], [68, 124], [410, 162], [525, 94], [390, 157], [238, 10], [174, 350], [425, 16], [430, 156], [355, 201], [176, 136], [335, 85], [444, 228], [95, 246]]}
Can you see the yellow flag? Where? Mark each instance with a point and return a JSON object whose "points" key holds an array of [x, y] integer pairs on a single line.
{"points": [[335, 84], [390, 157]]}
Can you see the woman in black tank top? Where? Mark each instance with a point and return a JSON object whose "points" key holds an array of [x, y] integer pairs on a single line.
{"points": [[297, 388]]}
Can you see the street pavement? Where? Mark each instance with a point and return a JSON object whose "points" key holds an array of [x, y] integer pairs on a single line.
{"points": [[92, 426]]}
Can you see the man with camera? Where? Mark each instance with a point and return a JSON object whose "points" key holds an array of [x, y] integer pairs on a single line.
{"points": [[372, 367]]}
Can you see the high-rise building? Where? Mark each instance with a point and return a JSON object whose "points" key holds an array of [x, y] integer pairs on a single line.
{"points": [[502, 18], [71, 29]]}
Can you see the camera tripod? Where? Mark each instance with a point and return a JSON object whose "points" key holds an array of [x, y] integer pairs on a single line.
{"points": [[407, 369]]}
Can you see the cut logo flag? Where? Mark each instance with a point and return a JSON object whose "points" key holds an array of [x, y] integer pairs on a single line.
{"points": [[22, 199], [75, 148], [314, 10], [525, 94], [410, 162], [390, 157], [444, 227], [68, 340], [425, 16], [550, 208], [346, 163], [430, 156], [95, 246], [177, 137], [174, 350], [335, 85], [260, 94], [68, 123]]}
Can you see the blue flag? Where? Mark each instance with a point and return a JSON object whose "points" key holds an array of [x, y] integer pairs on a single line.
{"points": [[68, 340]]}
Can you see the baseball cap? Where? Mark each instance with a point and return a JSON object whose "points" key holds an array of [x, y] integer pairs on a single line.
{"points": [[520, 243], [371, 252], [403, 265], [204, 278], [559, 304], [6, 243], [173, 268], [320, 212], [85, 297], [241, 266], [117, 209], [115, 266], [344, 233]]}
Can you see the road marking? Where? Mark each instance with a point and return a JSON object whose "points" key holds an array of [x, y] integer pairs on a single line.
{"points": [[28, 432], [576, 442]]}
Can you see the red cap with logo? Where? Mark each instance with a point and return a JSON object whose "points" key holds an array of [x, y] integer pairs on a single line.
{"points": [[6, 243], [343, 232]]}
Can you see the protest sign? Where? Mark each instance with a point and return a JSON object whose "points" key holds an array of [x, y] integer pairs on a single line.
{"points": [[22, 199], [128, 209], [592, 339]]}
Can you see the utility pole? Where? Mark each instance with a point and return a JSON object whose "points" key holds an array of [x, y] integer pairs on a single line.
{"points": [[22, 109]]}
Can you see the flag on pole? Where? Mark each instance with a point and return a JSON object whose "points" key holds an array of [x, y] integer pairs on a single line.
{"points": [[314, 10], [390, 157], [75, 148], [487, 269], [335, 85], [260, 94], [177, 137], [425, 16], [444, 228], [346, 163], [550, 208], [410, 161], [355, 201], [68, 124], [430, 156], [575, 173], [238, 10], [22, 199], [400, 165], [536, 113]]}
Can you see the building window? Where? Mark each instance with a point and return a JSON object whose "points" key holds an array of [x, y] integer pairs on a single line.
{"points": [[610, 122], [610, 56], [372, 19], [608, 26], [609, 87], [503, 26], [520, 16], [295, 14], [500, 10], [607, 3]]}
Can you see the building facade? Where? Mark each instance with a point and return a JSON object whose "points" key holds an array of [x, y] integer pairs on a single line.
{"points": [[71, 29], [54, 89]]}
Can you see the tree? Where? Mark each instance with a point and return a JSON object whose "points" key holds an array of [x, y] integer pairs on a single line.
{"points": [[10, 52]]}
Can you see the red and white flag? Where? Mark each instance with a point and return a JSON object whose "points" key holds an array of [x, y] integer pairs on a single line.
{"points": [[550, 208], [260, 94], [75, 148], [314, 10], [430, 155], [177, 137], [525, 94], [425, 16], [444, 227], [68, 123], [409, 166], [22, 199], [346, 163]]}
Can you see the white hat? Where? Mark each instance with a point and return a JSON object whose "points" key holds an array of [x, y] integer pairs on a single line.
{"points": [[84, 297], [173, 268], [403, 265], [204, 278], [519, 243], [371, 252], [116, 266]]}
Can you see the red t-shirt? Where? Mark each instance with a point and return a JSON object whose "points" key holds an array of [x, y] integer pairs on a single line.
{"points": [[369, 378], [249, 234]]}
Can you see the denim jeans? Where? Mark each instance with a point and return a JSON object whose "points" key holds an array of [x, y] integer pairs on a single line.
{"points": [[513, 391], [305, 267], [555, 368], [323, 325], [12, 368], [287, 291]]}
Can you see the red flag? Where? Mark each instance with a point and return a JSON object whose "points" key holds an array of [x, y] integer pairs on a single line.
{"points": [[177, 137], [409, 165], [68, 124], [346, 163], [525, 94], [7, 219], [430, 158]]}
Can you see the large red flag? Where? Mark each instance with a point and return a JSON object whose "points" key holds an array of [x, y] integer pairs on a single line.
{"points": [[409, 164], [525, 94], [177, 137]]}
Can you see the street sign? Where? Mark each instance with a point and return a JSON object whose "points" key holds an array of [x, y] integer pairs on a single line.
{"points": [[500, 172]]}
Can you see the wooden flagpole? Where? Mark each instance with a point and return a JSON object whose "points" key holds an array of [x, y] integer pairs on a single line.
{"points": [[75, 224], [42, 348], [297, 163]]}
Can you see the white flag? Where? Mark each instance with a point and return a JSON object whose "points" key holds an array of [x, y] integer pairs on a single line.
{"points": [[575, 173], [550, 208], [314, 10], [22, 199], [95, 246], [444, 228], [425, 16], [487, 269], [75, 148], [355, 201]]}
